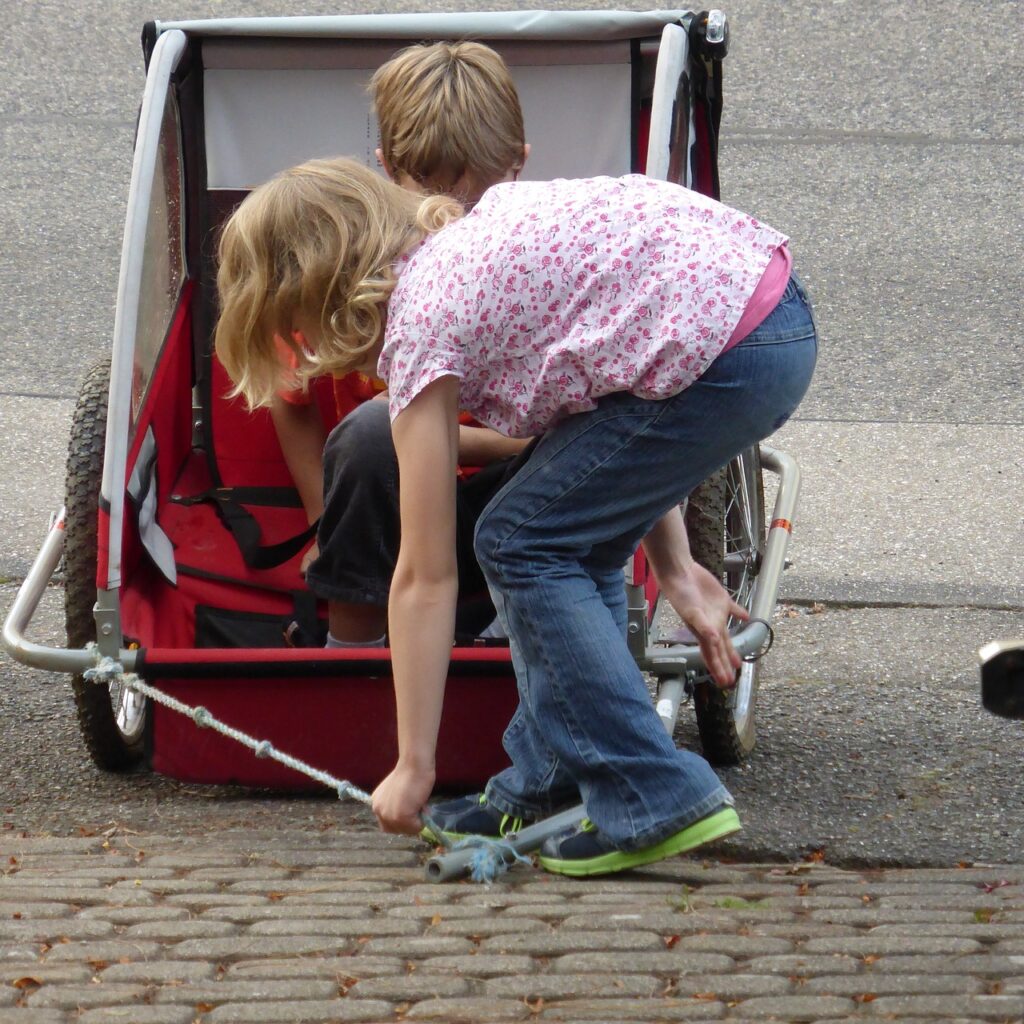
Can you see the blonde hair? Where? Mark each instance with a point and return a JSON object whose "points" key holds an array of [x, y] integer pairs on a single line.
{"points": [[448, 113], [317, 241]]}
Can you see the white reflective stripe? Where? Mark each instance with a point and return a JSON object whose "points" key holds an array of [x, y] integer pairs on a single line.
{"points": [[673, 55], [142, 490], [164, 60], [665, 708]]}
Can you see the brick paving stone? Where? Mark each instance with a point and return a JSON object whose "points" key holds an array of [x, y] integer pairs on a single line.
{"points": [[245, 947], [469, 1011], [666, 922], [93, 874], [318, 967], [734, 945], [176, 931], [800, 965], [17, 846], [797, 1008], [895, 984], [82, 895], [879, 945], [411, 987], [137, 1015], [333, 1011], [27, 1016], [111, 950], [731, 987], [49, 929], [336, 927], [973, 899], [192, 902], [50, 974], [262, 990], [491, 925], [482, 965], [968, 876], [989, 931], [1010, 947], [668, 962], [444, 911], [71, 997], [804, 929], [266, 874], [576, 986], [620, 886], [161, 886], [548, 944], [134, 915], [25, 909], [986, 1007], [881, 915], [971, 964], [647, 1011], [284, 911], [17, 954], [420, 947], [160, 972]]}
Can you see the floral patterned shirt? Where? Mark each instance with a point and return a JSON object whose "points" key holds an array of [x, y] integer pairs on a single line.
{"points": [[550, 295]]}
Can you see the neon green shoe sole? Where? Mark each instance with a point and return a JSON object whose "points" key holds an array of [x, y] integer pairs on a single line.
{"points": [[715, 826]]}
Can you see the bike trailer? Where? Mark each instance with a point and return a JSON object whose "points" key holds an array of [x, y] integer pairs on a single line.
{"points": [[182, 532]]}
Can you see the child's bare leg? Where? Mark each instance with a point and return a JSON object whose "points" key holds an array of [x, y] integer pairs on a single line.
{"points": [[356, 623]]}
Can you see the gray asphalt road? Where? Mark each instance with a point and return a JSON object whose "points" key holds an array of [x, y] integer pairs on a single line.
{"points": [[889, 147]]}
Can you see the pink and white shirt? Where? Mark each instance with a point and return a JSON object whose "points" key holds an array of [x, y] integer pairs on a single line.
{"points": [[550, 295]]}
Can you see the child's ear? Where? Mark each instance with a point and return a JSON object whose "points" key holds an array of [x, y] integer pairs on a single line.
{"points": [[526, 154], [379, 153]]}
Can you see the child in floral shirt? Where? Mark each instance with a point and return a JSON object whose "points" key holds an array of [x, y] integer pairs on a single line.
{"points": [[647, 334]]}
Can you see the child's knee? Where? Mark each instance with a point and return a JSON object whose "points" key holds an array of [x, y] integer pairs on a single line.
{"points": [[361, 441]]}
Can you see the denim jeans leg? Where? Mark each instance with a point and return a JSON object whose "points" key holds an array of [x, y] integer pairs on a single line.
{"points": [[549, 543]]}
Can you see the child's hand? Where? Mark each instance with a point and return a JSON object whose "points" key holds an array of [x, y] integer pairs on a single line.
{"points": [[309, 557], [701, 601], [398, 800]]}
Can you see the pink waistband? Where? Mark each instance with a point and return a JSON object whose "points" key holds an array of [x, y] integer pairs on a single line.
{"points": [[766, 295]]}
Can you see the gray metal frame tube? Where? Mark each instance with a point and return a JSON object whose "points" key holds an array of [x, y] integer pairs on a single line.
{"points": [[26, 601]]}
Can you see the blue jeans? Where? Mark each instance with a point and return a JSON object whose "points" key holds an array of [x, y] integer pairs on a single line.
{"points": [[552, 544]]}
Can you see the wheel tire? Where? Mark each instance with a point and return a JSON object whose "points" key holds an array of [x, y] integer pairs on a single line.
{"points": [[725, 518], [112, 719]]}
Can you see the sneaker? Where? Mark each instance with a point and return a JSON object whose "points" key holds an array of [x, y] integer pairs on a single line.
{"points": [[584, 851], [469, 816]]}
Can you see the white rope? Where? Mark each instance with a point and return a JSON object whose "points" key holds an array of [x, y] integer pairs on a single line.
{"points": [[108, 671]]}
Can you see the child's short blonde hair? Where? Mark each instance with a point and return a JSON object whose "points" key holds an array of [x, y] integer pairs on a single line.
{"points": [[318, 242], [448, 113]]}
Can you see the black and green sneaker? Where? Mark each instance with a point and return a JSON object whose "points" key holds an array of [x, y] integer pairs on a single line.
{"points": [[582, 850], [469, 816]]}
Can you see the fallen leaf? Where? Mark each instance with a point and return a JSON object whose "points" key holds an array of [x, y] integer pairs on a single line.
{"points": [[435, 920], [707, 997], [871, 958], [815, 856], [205, 1007], [992, 886], [26, 983], [865, 997], [803, 889], [671, 940]]}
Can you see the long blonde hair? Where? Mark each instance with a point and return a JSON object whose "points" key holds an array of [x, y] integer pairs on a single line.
{"points": [[317, 241]]}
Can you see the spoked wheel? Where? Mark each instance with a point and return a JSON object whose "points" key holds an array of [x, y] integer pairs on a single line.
{"points": [[726, 526], [112, 719]]}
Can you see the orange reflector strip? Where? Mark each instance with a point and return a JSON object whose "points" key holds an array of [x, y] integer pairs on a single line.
{"points": [[782, 524]]}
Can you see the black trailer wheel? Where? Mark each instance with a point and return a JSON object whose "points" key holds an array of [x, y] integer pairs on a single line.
{"points": [[112, 719], [726, 526]]}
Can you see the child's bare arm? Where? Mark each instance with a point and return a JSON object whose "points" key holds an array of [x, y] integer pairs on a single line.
{"points": [[301, 433], [480, 446], [697, 596], [421, 607]]}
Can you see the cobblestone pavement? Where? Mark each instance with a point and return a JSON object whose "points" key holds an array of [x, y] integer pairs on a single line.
{"points": [[250, 927]]}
